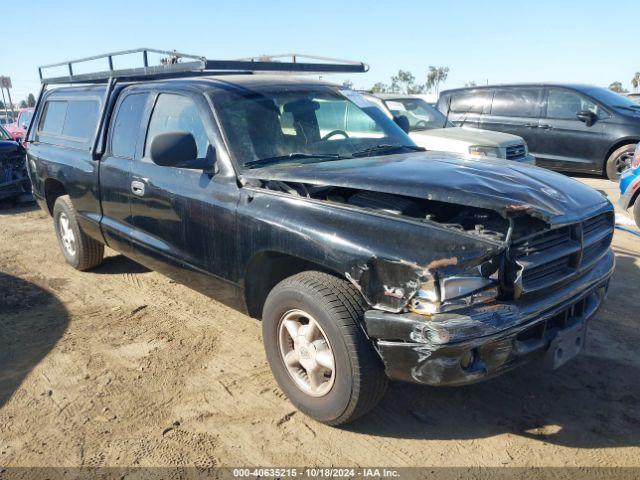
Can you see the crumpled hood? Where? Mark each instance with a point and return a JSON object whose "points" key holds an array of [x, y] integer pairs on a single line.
{"points": [[494, 184], [486, 138]]}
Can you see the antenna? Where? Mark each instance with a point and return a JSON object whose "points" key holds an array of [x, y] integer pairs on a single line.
{"points": [[446, 118]]}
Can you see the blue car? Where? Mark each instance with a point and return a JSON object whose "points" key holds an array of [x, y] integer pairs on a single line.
{"points": [[630, 187]]}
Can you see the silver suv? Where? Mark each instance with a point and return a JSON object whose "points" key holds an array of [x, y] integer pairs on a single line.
{"points": [[430, 129]]}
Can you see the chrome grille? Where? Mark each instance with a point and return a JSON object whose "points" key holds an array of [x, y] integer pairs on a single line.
{"points": [[557, 255], [516, 152]]}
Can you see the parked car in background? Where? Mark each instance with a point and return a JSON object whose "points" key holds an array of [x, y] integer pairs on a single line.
{"points": [[630, 187], [634, 97], [430, 129], [14, 180], [18, 129], [574, 128]]}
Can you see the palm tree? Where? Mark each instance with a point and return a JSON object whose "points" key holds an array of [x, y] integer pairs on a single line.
{"points": [[635, 81], [617, 87], [436, 76]]}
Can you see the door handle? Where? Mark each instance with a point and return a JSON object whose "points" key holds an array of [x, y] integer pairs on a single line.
{"points": [[137, 188], [530, 125], [546, 126]]}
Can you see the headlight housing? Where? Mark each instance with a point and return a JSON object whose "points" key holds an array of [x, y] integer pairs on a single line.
{"points": [[477, 285], [480, 151]]}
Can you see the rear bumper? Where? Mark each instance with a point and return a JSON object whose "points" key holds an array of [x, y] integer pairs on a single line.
{"points": [[481, 342]]}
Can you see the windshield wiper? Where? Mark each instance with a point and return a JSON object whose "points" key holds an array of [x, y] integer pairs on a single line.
{"points": [[385, 147], [290, 156]]}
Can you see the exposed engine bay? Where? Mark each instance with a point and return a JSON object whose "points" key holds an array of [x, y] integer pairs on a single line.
{"points": [[470, 219]]}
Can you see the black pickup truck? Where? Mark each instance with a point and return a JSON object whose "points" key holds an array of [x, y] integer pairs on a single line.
{"points": [[365, 257]]}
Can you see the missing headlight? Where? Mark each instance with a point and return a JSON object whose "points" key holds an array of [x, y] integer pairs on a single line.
{"points": [[477, 285]]}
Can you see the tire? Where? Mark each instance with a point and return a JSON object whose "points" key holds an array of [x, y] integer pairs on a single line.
{"points": [[358, 381], [636, 211], [616, 161], [79, 250]]}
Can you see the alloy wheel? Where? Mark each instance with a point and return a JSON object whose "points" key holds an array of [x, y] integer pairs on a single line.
{"points": [[306, 353], [66, 234], [623, 162]]}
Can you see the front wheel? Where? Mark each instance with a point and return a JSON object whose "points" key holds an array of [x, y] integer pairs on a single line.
{"points": [[79, 250], [619, 161], [317, 350]]}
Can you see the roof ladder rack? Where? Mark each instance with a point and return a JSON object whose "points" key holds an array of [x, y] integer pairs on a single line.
{"points": [[175, 65]]}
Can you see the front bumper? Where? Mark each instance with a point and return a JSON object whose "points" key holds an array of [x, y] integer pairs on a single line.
{"points": [[481, 342], [14, 187]]}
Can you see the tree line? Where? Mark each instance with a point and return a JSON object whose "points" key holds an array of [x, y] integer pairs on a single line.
{"points": [[635, 83], [28, 103], [404, 82]]}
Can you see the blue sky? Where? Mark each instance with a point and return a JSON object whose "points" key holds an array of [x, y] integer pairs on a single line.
{"points": [[500, 41]]}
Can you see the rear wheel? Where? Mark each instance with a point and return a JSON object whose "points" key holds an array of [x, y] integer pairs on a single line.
{"points": [[317, 350], [619, 161], [79, 250]]}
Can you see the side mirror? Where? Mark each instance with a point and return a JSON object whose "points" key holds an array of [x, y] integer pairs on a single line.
{"points": [[403, 122], [586, 116], [211, 166], [173, 149]]}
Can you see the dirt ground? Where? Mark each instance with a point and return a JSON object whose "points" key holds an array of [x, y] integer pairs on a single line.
{"points": [[122, 366]]}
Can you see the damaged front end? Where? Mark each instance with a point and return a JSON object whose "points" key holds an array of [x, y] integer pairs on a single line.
{"points": [[531, 299], [507, 289], [472, 271], [14, 180]]}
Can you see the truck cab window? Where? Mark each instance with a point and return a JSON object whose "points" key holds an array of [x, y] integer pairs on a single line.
{"points": [[177, 113], [126, 127], [81, 119], [53, 117], [70, 122]]}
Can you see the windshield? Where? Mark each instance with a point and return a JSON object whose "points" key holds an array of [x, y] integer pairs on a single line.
{"points": [[4, 135], [24, 118], [611, 98], [421, 115], [306, 124]]}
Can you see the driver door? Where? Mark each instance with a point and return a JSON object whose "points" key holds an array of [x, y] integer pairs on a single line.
{"points": [[184, 217]]}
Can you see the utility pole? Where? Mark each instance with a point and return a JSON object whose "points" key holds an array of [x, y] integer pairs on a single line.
{"points": [[11, 102], [5, 82], [4, 104]]}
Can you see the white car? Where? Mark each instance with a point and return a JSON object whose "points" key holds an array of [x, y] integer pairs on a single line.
{"points": [[430, 129]]}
